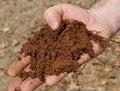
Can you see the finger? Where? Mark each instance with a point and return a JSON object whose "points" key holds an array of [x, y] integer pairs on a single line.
{"points": [[85, 57], [30, 84], [52, 80], [21, 56], [53, 16], [17, 66], [15, 85]]}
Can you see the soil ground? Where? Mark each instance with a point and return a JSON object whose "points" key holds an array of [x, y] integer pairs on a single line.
{"points": [[18, 18]]}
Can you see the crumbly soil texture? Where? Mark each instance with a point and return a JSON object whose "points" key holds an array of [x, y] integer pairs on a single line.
{"points": [[56, 51]]}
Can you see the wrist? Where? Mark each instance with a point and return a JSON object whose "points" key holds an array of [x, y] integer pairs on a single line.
{"points": [[109, 11]]}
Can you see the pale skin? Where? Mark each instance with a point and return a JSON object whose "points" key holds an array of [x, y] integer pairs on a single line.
{"points": [[100, 17]]}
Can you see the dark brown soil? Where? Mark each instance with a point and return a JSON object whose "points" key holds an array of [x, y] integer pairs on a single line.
{"points": [[54, 52]]}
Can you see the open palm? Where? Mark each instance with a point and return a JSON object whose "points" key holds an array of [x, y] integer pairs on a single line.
{"points": [[53, 16]]}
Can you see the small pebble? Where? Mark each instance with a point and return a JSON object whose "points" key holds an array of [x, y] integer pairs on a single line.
{"points": [[15, 42], [1, 72], [103, 82], [6, 29], [3, 44]]}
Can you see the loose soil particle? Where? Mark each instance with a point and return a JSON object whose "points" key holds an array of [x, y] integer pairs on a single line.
{"points": [[54, 52]]}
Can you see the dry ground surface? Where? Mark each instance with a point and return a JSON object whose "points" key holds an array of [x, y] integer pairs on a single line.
{"points": [[18, 18]]}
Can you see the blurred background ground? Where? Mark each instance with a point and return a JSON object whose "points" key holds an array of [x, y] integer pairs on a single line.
{"points": [[18, 18]]}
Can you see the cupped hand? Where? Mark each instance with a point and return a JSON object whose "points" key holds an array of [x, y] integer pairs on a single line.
{"points": [[53, 16]]}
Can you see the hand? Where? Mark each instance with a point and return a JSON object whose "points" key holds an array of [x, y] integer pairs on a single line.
{"points": [[53, 16]]}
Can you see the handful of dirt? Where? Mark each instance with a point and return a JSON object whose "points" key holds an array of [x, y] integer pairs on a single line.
{"points": [[54, 52]]}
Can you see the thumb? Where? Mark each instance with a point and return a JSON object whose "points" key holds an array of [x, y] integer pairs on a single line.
{"points": [[53, 16]]}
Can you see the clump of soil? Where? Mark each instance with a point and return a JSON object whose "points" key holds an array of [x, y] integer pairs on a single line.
{"points": [[54, 52]]}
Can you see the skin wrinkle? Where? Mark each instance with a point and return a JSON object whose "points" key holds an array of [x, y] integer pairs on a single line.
{"points": [[109, 12], [106, 23]]}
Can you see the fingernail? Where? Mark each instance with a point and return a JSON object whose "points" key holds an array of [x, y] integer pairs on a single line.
{"points": [[53, 24]]}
